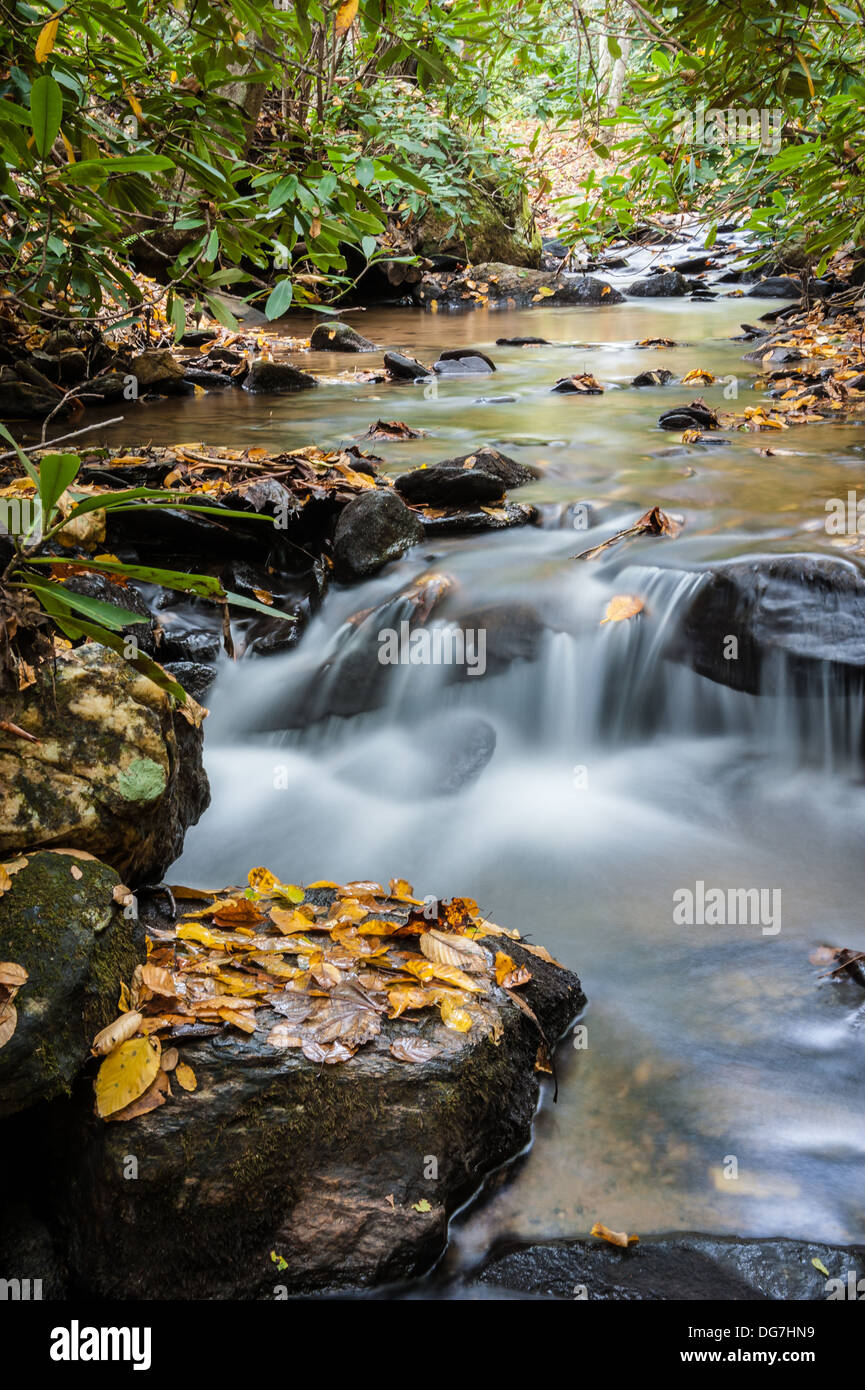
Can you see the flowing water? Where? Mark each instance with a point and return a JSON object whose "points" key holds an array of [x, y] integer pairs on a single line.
{"points": [[617, 777]]}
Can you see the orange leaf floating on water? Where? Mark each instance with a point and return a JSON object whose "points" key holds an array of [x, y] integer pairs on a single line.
{"points": [[621, 607], [620, 1238]]}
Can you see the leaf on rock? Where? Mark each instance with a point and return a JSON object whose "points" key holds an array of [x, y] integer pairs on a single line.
{"points": [[508, 973], [156, 1094], [262, 880], [8, 1021], [414, 1050], [120, 1031], [620, 1238], [158, 980], [454, 1016], [186, 1076], [126, 1073]]}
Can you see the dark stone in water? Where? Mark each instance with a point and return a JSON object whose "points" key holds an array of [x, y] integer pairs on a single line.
{"points": [[404, 368], [776, 287], [479, 477], [373, 529], [667, 285], [197, 337], [276, 378], [802, 613], [339, 337], [211, 381], [693, 265], [658, 377], [195, 677], [473, 522], [522, 342], [688, 1268], [463, 362], [697, 415]]}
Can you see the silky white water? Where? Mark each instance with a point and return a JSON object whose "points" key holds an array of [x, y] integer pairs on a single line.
{"points": [[618, 777]]}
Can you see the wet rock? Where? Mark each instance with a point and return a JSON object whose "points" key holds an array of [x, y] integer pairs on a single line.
{"points": [[197, 337], [195, 677], [667, 285], [479, 477], [798, 620], [211, 381], [276, 378], [554, 246], [776, 287], [768, 352], [404, 368], [116, 770], [697, 415], [21, 399], [99, 587], [443, 754], [694, 265], [113, 386], [59, 920], [658, 377], [194, 646], [156, 367], [324, 1166], [581, 385], [522, 342], [462, 746], [372, 530], [474, 521], [520, 287], [690, 1268], [463, 362], [513, 632], [339, 337]]}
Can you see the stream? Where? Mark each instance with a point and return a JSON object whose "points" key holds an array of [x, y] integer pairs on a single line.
{"points": [[617, 777]]}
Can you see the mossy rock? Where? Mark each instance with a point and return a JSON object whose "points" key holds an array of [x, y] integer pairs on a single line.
{"points": [[502, 229], [114, 767], [281, 1176], [59, 920]]}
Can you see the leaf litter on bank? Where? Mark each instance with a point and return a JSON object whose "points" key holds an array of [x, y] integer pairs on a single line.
{"points": [[332, 961]]}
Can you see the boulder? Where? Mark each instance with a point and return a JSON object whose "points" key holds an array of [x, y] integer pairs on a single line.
{"points": [[679, 1267], [479, 477], [501, 229], [115, 768], [776, 287], [496, 283], [463, 362], [339, 337], [60, 921], [668, 284], [404, 368], [474, 520], [156, 367], [275, 378], [280, 1176], [658, 377], [373, 529], [798, 619]]}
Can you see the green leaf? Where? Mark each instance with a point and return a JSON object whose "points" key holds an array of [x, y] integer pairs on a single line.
{"points": [[46, 113], [238, 601], [221, 312], [205, 585], [56, 472], [279, 299], [25, 462], [177, 316], [369, 246], [55, 598]]}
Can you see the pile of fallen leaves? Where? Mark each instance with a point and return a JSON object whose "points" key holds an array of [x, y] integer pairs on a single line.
{"points": [[332, 960]]}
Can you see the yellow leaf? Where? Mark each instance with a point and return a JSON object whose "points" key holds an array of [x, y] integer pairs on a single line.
{"points": [[345, 16], [293, 894], [120, 1031], [47, 37], [296, 920], [452, 1015], [262, 880], [621, 607], [126, 1074], [818, 1264], [185, 1076]]}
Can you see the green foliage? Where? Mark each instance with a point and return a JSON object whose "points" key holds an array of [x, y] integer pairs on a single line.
{"points": [[800, 65], [80, 616]]}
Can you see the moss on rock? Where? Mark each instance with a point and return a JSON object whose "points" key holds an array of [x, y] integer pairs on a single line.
{"points": [[60, 922]]}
